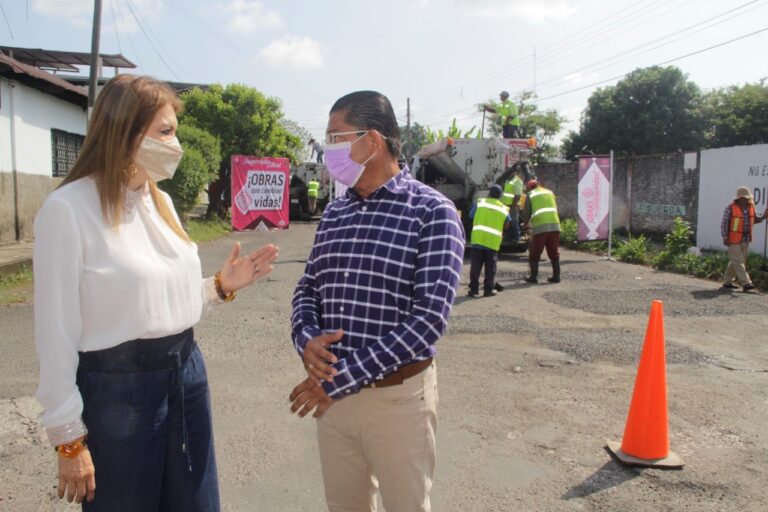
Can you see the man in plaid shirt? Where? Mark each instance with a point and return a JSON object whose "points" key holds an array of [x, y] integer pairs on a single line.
{"points": [[374, 299], [736, 228]]}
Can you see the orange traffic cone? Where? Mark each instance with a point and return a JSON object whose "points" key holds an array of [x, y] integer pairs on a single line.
{"points": [[646, 435]]}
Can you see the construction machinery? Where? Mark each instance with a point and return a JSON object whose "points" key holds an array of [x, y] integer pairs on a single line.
{"points": [[301, 175], [465, 169]]}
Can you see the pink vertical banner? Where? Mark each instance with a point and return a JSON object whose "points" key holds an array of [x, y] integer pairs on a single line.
{"points": [[594, 197], [260, 190]]}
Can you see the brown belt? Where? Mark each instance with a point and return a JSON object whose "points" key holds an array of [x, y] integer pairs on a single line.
{"points": [[405, 372]]}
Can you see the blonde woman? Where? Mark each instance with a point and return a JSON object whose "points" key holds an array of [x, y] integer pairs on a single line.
{"points": [[118, 288]]}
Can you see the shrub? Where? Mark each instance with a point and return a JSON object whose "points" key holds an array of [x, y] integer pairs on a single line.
{"points": [[687, 263], [633, 250], [676, 243], [568, 233], [198, 166]]}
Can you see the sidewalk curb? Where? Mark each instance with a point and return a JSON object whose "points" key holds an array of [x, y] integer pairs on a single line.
{"points": [[15, 265]]}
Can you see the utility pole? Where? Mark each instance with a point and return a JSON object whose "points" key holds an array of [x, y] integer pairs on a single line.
{"points": [[408, 128], [93, 82]]}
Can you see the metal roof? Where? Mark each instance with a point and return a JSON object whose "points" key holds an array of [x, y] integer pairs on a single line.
{"points": [[63, 61], [42, 80]]}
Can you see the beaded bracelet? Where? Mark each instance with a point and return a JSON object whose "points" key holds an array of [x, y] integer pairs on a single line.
{"points": [[220, 292]]}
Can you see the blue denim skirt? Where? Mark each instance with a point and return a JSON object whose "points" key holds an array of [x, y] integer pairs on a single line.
{"points": [[147, 408]]}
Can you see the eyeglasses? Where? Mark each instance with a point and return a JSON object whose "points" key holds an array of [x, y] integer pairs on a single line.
{"points": [[332, 138]]}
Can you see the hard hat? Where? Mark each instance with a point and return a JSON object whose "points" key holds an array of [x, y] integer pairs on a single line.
{"points": [[504, 93], [532, 184]]}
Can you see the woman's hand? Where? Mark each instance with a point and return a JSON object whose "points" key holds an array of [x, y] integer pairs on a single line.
{"points": [[239, 272], [77, 477]]}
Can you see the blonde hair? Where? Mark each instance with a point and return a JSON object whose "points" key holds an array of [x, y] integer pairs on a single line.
{"points": [[124, 109]]}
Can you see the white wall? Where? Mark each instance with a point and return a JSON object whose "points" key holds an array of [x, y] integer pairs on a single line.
{"points": [[5, 127], [722, 172], [36, 113]]}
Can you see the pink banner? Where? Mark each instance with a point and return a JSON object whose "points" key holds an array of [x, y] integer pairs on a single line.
{"points": [[594, 197], [260, 189]]}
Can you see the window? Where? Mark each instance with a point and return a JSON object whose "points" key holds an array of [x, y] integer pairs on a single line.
{"points": [[65, 147]]}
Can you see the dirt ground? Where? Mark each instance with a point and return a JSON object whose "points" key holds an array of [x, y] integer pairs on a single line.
{"points": [[532, 383]]}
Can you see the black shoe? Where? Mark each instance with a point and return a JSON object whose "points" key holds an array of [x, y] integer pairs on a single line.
{"points": [[553, 279], [729, 286], [471, 293], [490, 293], [498, 287], [748, 287], [531, 279]]}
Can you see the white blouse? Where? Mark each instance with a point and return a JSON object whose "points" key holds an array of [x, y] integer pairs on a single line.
{"points": [[97, 286]]}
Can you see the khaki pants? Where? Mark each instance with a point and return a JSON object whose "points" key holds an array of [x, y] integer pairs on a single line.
{"points": [[311, 204], [737, 259], [381, 438]]}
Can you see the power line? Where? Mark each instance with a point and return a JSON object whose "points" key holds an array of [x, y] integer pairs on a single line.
{"points": [[496, 76], [128, 35], [114, 22], [211, 31], [625, 54], [7, 24], [702, 50], [136, 17]]}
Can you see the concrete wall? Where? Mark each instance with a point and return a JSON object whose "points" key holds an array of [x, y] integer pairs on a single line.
{"points": [[35, 113], [648, 191]]}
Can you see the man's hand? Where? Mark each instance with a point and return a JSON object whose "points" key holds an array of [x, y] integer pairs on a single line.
{"points": [[725, 241], [318, 359], [77, 477], [307, 396]]}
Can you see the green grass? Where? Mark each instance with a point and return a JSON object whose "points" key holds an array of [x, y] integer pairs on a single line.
{"points": [[16, 287], [201, 230]]}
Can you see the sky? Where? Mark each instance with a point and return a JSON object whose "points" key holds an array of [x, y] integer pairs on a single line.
{"points": [[445, 55]]}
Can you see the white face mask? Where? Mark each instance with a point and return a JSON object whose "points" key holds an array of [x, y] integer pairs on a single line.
{"points": [[159, 158]]}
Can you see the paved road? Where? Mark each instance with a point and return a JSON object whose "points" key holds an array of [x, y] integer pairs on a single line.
{"points": [[532, 382]]}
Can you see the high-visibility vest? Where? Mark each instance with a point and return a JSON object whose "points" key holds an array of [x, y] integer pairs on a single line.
{"points": [[512, 188], [736, 229], [543, 207], [488, 225], [508, 112], [312, 188]]}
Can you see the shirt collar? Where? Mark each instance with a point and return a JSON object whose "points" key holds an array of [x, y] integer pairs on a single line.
{"points": [[395, 186]]}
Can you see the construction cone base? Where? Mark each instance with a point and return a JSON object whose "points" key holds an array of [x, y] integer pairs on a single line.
{"points": [[671, 461]]}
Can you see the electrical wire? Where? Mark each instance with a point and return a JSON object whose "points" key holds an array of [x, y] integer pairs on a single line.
{"points": [[128, 35], [132, 8], [7, 24], [114, 22]]}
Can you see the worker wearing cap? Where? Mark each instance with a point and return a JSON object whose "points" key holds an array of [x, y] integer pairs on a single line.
{"points": [[489, 218], [510, 120], [540, 211], [736, 228]]}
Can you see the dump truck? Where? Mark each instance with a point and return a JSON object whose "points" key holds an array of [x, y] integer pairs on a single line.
{"points": [[465, 169], [301, 175]]}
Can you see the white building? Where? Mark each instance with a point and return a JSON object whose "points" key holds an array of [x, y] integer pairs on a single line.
{"points": [[42, 127]]}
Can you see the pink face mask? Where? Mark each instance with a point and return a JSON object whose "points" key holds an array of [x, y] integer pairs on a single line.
{"points": [[340, 165]]}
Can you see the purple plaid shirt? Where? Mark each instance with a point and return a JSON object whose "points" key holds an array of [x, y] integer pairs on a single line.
{"points": [[385, 270]]}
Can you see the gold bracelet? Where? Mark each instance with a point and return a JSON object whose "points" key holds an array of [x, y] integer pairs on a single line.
{"points": [[220, 291], [70, 450]]}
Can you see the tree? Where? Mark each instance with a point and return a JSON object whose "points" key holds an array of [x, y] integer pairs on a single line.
{"points": [[542, 125], [303, 150], [652, 110], [198, 166], [737, 116], [246, 123]]}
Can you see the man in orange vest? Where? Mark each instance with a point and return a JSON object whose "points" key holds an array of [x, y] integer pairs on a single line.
{"points": [[736, 228]]}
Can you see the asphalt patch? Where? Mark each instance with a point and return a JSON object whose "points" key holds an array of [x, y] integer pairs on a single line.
{"points": [[487, 324], [617, 346], [544, 272], [677, 301]]}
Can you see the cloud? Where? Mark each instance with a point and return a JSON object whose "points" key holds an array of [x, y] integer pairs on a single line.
{"points": [[293, 52], [248, 16], [529, 10], [113, 13]]}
